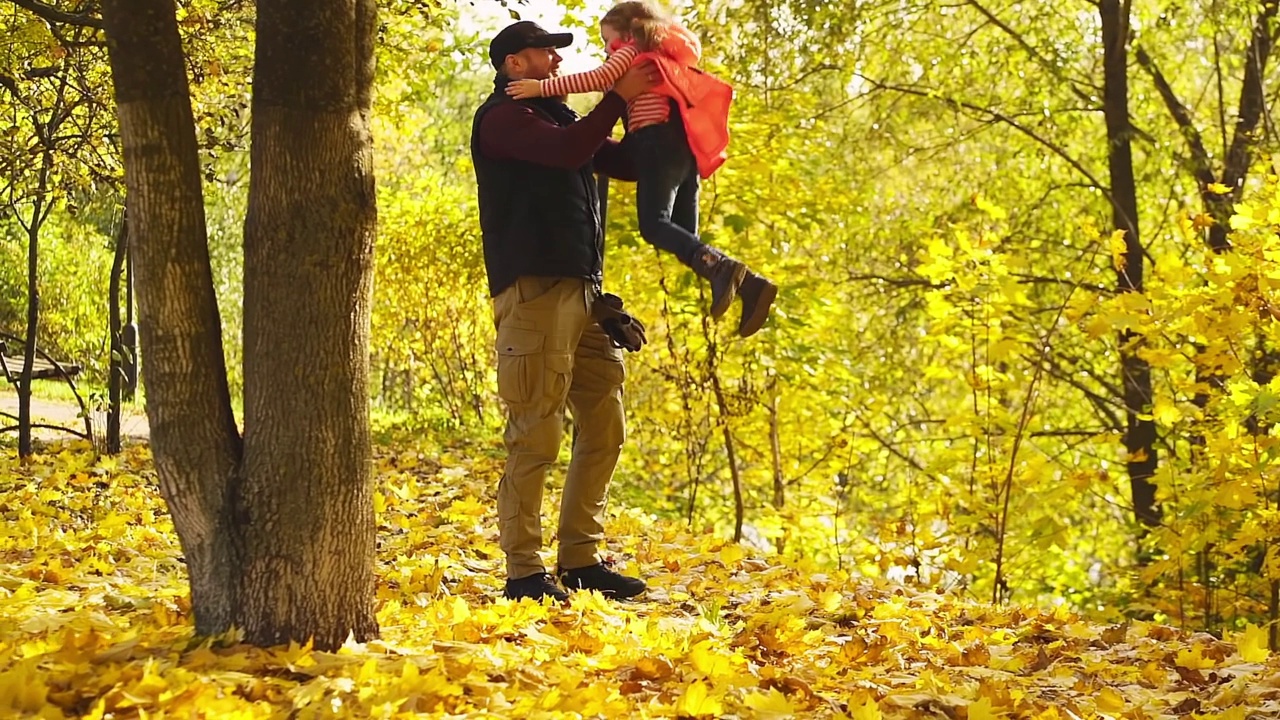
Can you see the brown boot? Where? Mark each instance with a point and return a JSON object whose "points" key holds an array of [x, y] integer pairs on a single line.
{"points": [[723, 272], [757, 296]]}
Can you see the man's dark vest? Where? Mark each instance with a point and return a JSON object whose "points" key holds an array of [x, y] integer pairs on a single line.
{"points": [[536, 220]]}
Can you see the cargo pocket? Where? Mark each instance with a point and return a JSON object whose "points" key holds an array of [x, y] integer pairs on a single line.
{"points": [[616, 371], [520, 366], [559, 374]]}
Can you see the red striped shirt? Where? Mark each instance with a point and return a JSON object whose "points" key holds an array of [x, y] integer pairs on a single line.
{"points": [[643, 110]]}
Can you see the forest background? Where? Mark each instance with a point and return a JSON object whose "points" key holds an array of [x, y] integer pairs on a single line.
{"points": [[1025, 346]]}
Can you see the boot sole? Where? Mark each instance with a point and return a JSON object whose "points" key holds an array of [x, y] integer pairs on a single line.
{"points": [[751, 325], [718, 310]]}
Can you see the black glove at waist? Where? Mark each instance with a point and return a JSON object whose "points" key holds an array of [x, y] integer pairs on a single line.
{"points": [[623, 330]]}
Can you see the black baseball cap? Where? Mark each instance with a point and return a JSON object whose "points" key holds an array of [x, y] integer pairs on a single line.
{"points": [[524, 34]]}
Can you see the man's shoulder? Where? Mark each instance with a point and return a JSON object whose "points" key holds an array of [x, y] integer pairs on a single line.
{"points": [[504, 108]]}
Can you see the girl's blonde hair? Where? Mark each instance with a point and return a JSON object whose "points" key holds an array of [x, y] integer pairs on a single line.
{"points": [[645, 21]]}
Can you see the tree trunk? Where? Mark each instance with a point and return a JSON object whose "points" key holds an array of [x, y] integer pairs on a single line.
{"points": [[33, 329], [115, 364], [193, 435], [1140, 434], [1248, 116], [41, 207], [307, 499], [278, 530]]}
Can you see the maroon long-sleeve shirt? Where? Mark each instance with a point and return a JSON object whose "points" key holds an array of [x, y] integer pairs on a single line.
{"points": [[513, 131]]}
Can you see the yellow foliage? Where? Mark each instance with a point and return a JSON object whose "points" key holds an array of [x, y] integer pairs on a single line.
{"points": [[1252, 644], [784, 641]]}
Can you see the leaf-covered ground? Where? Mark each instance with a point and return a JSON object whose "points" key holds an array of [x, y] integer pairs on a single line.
{"points": [[96, 623]]}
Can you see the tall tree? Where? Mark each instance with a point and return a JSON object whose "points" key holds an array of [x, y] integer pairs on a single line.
{"points": [[52, 150], [1140, 429], [276, 525]]}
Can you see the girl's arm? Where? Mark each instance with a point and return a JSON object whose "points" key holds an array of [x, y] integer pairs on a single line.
{"points": [[598, 80]]}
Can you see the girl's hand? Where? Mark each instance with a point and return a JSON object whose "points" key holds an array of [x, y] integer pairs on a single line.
{"points": [[524, 89]]}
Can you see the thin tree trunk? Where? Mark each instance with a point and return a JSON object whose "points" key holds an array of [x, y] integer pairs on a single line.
{"points": [[1140, 434], [193, 435], [33, 329], [307, 500], [739, 504], [1248, 117], [39, 212], [779, 480], [775, 448], [115, 364]]}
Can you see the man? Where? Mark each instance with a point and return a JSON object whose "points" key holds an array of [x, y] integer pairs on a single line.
{"points": [[543, 253]]}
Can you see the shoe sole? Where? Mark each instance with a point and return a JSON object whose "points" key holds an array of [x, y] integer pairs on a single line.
{"points": [[726, 302], [611, 595], [751, 325]]}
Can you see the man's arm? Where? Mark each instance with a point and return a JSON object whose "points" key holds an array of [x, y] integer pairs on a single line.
{"points": [[512, 131], [615, 162]]}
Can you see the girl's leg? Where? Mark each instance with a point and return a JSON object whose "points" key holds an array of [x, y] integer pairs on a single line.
{"points": [[757, 292], [667, 205], [685, 211], [662, 171]]}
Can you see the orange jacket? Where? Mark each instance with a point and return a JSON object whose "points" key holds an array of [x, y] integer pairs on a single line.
{"points": [[703, 99]]}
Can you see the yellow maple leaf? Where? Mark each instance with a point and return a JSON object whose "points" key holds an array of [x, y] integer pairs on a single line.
{"points": [[770, 705], [1117, 246], [1217, 188], [868, 710], [23, 688], [1194, 659], [1154, 674], [709, 662], [830, 600], [995, 211], [982, 710], [1166, 412], [460, 611], [731, 554], [1110, 701], [698, 702], [1253, 644], [1243, 217]]}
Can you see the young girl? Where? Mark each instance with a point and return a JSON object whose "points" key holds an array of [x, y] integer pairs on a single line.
{"points": [[671, 149]]}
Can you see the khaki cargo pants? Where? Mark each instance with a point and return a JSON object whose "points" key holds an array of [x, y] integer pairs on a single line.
{"points": [[551, 354]]}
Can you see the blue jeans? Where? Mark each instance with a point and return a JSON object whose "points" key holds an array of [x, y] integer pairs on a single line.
{"points": [[667, 188]]}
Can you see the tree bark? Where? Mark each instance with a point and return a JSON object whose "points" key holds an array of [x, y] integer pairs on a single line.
{"points": [[115, 364], [1140, 434], [277, 530], [1248, 117], [307, 500], [193, 435]]}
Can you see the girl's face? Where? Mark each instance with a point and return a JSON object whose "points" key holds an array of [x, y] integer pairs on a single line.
{"points": [[610, 35]]}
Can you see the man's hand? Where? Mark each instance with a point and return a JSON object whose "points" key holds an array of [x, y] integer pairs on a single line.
{"points": [[523, 89], [641, 77], [624, 331]]}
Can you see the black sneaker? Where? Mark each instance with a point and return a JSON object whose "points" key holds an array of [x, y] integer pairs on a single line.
{"points": [[535, 587], [601, 577]]}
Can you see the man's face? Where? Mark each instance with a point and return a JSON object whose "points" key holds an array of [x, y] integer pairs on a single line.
{"points": [[535, 63]]}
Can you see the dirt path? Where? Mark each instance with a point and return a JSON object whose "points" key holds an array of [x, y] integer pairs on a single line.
{"points": [[133, 424]]}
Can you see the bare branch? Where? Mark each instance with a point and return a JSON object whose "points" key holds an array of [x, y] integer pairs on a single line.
{"points": [[896, 281], [52, 14], [11, 85], [823, 67], [1035, 54], [1251, 99], [1005, 119], [1199, 156]]}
